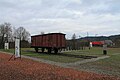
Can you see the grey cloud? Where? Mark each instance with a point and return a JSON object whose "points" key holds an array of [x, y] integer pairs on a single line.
{"points": [[67, 16]]}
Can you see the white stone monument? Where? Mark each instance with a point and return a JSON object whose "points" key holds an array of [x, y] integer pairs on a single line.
{"points": [[6, 46], [17, 48]]}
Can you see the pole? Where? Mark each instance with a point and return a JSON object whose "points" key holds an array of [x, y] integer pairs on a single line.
{"points": [[20, 48]]}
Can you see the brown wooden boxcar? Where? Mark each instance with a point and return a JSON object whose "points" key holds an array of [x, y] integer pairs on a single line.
{"points": [[51, 42]]}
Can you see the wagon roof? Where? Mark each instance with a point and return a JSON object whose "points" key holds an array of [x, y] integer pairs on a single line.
{"points": [[48, 34]]}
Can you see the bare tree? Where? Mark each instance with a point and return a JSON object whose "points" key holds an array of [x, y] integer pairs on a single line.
{"points": [[5, 33], [73, 36], [74, 41], [22, 33]]}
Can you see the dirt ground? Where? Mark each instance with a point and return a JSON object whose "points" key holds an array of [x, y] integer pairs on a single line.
{"points": [[26, 69]]}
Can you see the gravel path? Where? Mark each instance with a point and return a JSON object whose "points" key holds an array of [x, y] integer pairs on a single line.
{"points": [[67, 65], [88, 60]]}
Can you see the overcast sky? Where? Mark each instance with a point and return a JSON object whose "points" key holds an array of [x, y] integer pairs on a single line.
{"points": [[101, 17]]}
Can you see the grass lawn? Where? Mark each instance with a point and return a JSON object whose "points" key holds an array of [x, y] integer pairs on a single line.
{"points": [[53, 57], [110, 66], [66, 56], [96, 51]]}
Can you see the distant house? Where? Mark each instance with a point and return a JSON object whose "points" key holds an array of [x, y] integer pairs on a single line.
{"points": [[100, 43], [97, 43], [109, 42]]}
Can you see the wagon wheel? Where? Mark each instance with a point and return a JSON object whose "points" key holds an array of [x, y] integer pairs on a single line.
{"points": [[49, 50], [43, 49], [56, 50], [36, 49]]}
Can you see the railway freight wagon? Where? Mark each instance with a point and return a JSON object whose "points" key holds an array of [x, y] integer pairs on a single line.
{"points": [[51, 42]]}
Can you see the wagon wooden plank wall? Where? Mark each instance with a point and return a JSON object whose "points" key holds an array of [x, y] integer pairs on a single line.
{"points": [[51, 41]]}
